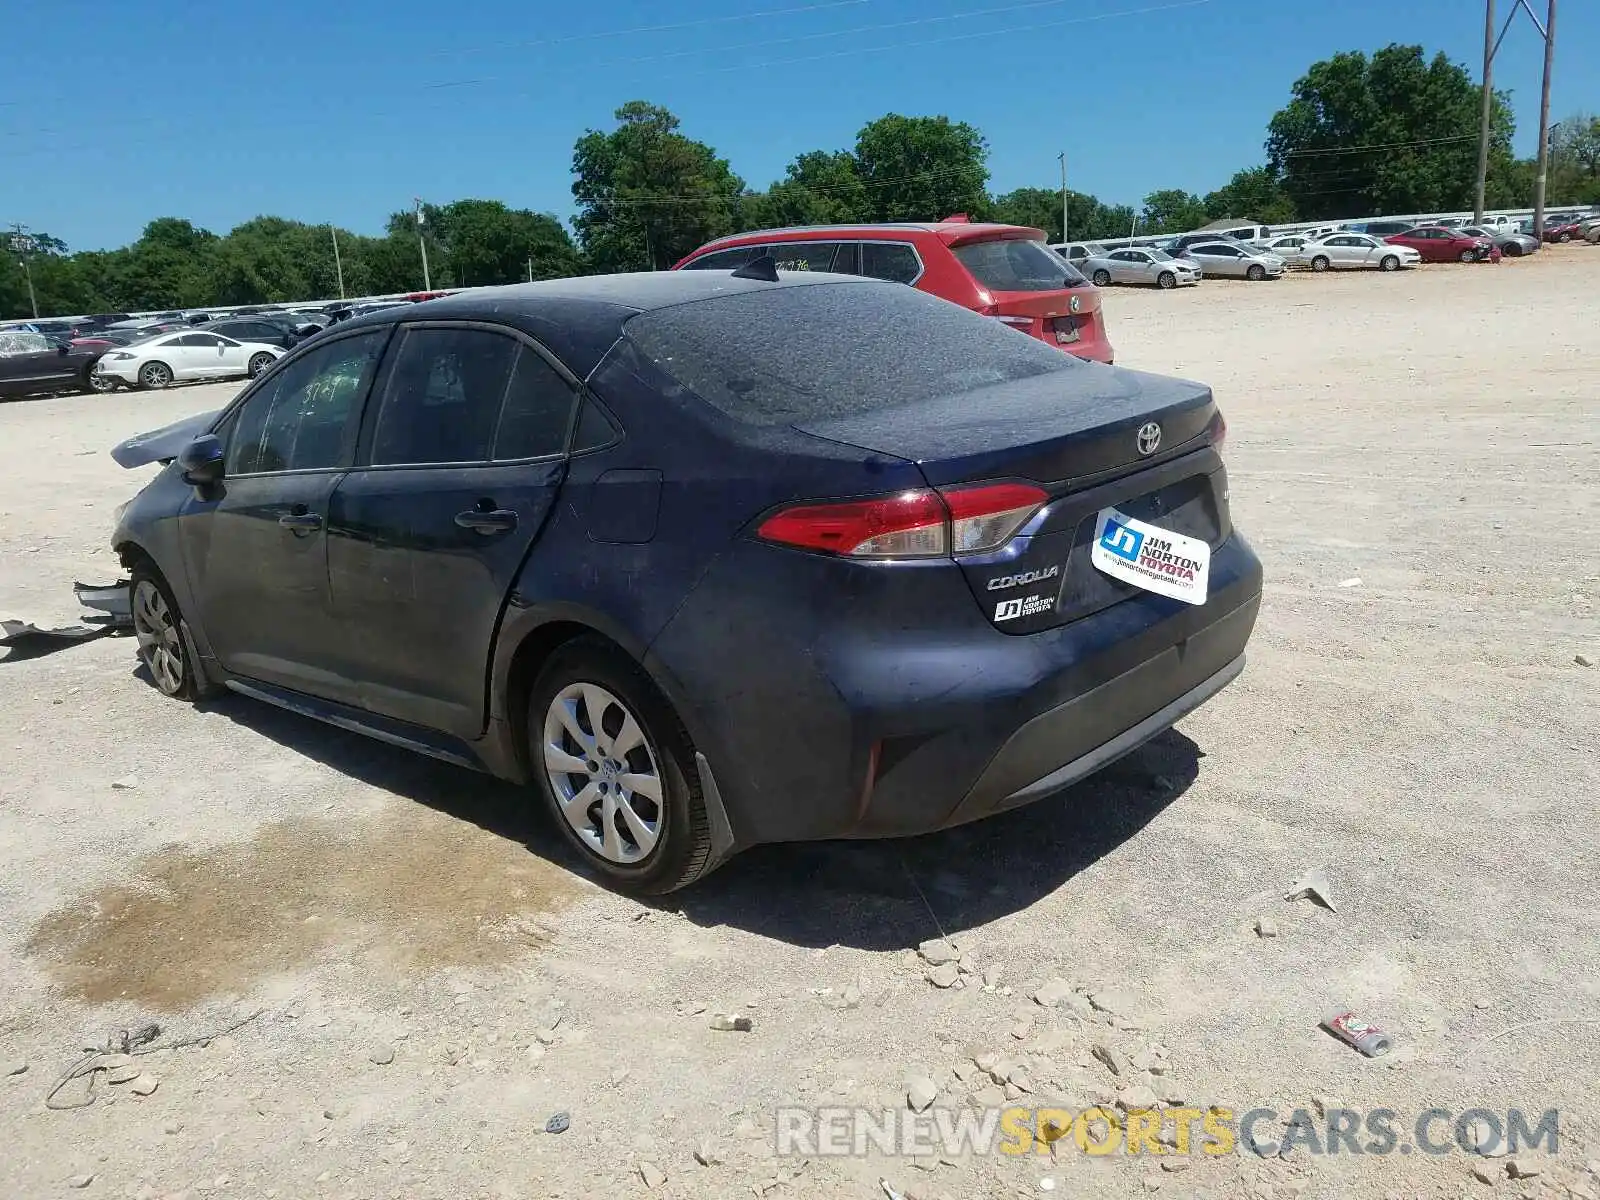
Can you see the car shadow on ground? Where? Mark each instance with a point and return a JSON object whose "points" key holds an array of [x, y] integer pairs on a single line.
{"points": [[872, 895]]}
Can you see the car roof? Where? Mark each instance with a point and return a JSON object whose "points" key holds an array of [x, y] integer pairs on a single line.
{"points": [[949, 232], [581, 317]]}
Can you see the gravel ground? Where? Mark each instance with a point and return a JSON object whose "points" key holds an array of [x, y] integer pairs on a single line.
{"points": [[429, 981]]}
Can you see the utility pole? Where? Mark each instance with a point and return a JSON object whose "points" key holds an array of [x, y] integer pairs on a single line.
{"points": [[1063, 157], [530, 268], [22, 243], [1549, 32], [427, 280], [338, 264], [1488, 105]]}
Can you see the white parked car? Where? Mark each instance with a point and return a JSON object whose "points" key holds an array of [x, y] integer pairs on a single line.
{"points": [[1139, 265], [1235, 259], [1348, 251], [177, 357]]}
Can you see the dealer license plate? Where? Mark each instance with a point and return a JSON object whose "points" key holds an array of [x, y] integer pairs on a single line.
{"points": [[1150, 557]]}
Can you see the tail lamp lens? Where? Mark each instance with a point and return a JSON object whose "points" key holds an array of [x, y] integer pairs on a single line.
{"points": [[913, 524]]}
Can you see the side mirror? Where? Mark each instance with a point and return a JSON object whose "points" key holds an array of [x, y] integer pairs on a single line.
{"points": [[201, 461], [63, 347]]}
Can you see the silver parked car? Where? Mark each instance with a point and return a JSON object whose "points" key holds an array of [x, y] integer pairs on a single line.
{"points": [[1512, 243], [1139, 265], [1354, 251], [1287, 246], [1236, 260], [1077, 252]]}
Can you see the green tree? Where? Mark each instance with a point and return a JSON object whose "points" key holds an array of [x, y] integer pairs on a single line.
{"points": [[1172, 211], [820, 187], [1391, 134], [1253, 194], [922, 168], [1575, 160], [646, 194]]}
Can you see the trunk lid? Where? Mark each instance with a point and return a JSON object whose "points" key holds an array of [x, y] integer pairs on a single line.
{"points": [[1076, 435]]}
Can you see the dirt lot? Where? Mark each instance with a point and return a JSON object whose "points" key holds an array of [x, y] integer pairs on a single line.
{"points": [[1424, 733]]}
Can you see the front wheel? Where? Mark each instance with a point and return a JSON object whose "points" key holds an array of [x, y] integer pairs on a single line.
{"points": [[617, 769], [1320, 263], [155, 375], [1101, 278], [101, 382], [259, 363], [1564, 238], [1256, 273], [1390, 263], [1468, 256], [156, 625], [1166, 280]]}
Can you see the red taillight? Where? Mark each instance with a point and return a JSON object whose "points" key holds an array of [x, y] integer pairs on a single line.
{"points": [[993, 310], [913, 524], [1219, 432], [905, 525], [985, 517]]}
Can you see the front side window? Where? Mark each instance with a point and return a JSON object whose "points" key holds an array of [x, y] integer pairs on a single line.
{"points": [[804, 256], [722, 260], [297, 421], [443, 397]]}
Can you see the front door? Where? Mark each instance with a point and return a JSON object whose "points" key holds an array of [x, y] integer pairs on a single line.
{"points": [[459, 466], [255, 547]]}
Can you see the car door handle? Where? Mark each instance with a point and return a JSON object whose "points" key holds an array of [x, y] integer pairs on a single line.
{"points": [[486, 521], [300, 522]]}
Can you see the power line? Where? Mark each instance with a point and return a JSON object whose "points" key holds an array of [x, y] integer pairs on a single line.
{"points": [[1461, 137]]}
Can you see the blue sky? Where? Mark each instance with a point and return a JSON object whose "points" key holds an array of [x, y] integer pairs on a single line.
{"points": [[113, 112]]}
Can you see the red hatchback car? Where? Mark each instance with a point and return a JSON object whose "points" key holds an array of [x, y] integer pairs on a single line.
{"points": [[1437, 244], [1001, 271]]}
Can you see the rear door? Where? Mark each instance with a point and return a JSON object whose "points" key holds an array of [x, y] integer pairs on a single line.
{"points": [[461, 457]]}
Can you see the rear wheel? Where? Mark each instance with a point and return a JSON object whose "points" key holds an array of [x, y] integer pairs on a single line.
{"points": [[1320, 263], [155, 375], [100, 382], [259, 363], [1166, 280], [1255, 273], [617, 769], [1390, 262], [1102, 278]]}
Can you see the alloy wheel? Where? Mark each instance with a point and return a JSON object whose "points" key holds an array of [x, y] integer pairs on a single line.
{"points": [[160, 644], [155, 375], [259, 364], [604, 773]]}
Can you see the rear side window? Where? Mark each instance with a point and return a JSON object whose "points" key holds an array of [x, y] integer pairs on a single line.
{"points": [[807, 352], [537, 410], [443, 397], [1007, 265], [890, 260]]}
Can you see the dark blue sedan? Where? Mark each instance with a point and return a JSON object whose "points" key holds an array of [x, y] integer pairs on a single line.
{"points": [[705, 559]]}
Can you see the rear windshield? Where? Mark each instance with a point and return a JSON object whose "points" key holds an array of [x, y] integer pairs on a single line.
{"points": [[1005, 265], [792, 354]]}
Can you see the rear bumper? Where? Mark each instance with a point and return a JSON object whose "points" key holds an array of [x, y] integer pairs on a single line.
{"points": [[836, 702]]}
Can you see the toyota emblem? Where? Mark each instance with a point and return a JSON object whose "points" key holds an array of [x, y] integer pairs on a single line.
{"points": [[1149, 438], [1075, 304]]}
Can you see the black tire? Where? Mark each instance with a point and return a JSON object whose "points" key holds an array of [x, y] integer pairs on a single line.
{"points": [[1255, 273], [1321, 263], [1564, 238], [1389, 262], [1166, 281], [155, 375], [164, 646], [99, 383], [682, 849], [1511, 250], [259, 363], [1468, 256], [1101, 278]]}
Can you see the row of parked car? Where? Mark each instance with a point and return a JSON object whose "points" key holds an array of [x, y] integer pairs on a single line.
{"points": [[107, 351]]}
